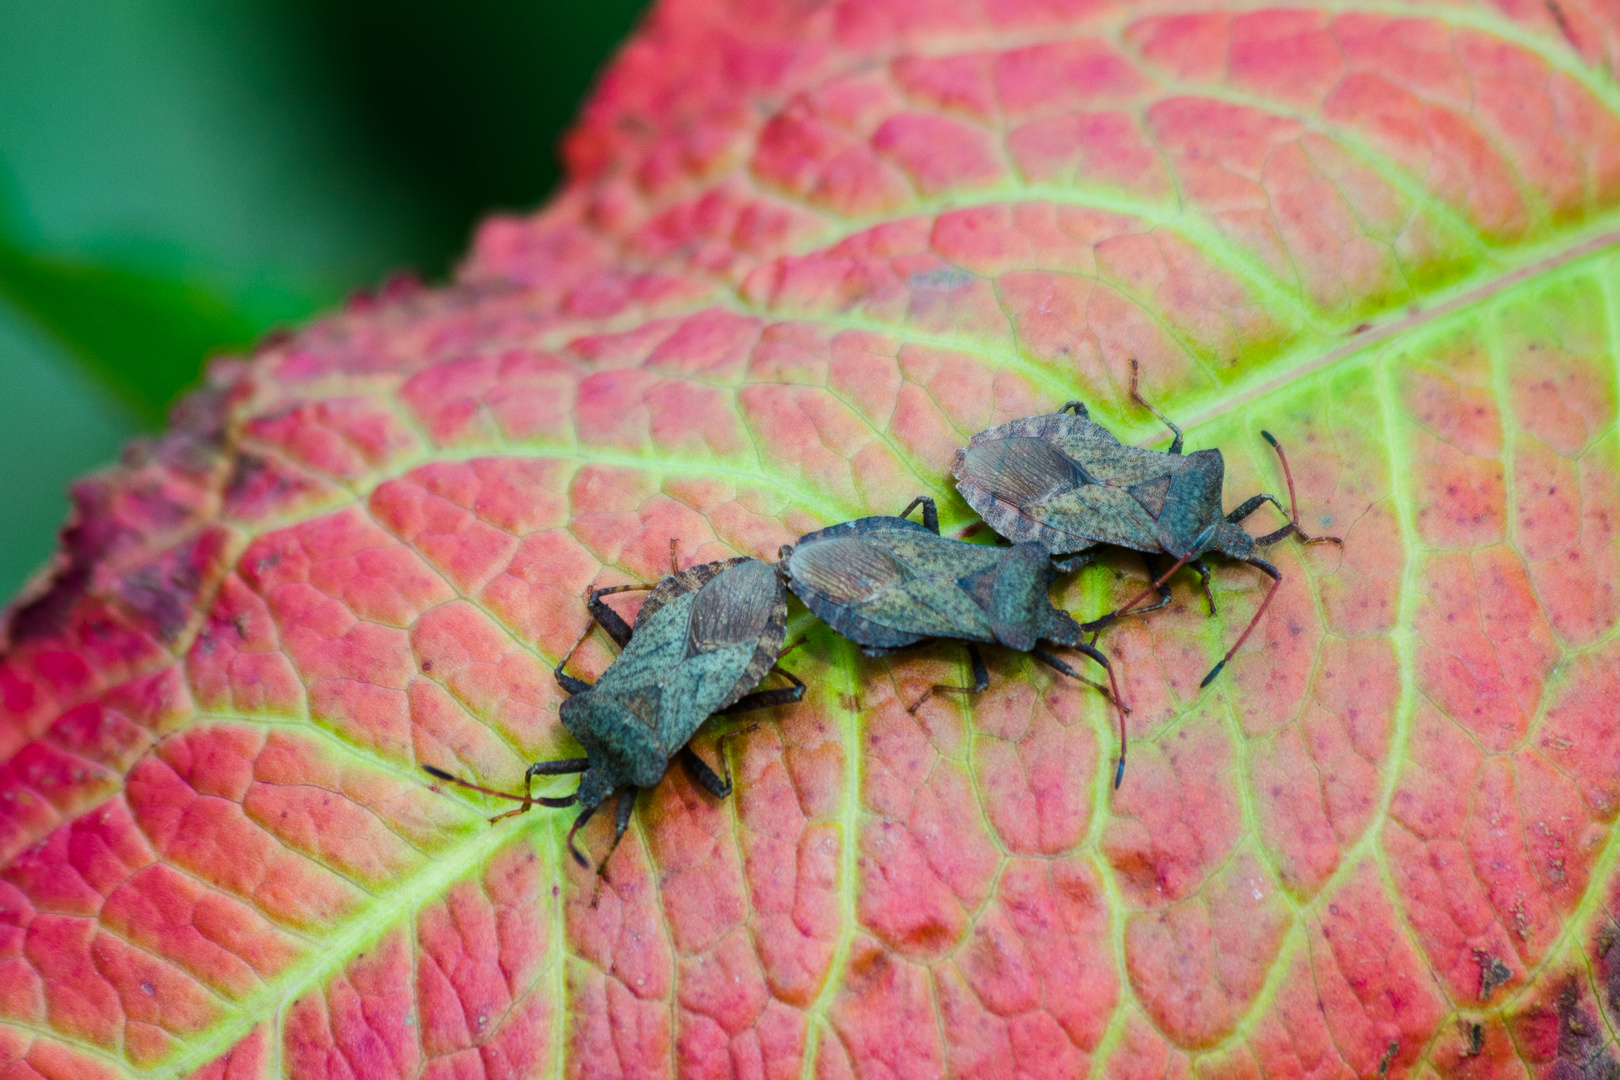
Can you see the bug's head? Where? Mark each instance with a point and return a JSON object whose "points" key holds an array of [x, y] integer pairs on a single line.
{"points": [[1227, 538], [595, 785], [1057, 626]]}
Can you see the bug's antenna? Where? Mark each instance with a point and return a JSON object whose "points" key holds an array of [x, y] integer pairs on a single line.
{"points": [[526, 800], [1293, 504]]}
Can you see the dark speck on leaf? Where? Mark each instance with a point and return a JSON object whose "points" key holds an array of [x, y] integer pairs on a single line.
{"points": [[1492, 973], [427, 665], [945, 278]]}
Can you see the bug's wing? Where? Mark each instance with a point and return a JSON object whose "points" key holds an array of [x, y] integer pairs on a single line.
{"points": [[886, 582], [937, 595], [1047, 426], [1124, 507], [686, 581], [1094, 514], [838, 574], [656, 647], [744, 608], [1004, 469], [1018, 596]]}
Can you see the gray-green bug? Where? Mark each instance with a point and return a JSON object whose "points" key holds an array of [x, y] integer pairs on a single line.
{"points": [[1065, 482], [704, 637], [888, 583]]}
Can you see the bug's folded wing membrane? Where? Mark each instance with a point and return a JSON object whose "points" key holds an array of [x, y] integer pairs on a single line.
{"points": [[1107, 515]]}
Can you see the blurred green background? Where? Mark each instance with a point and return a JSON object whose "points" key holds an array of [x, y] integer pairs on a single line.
{"points": [[178, 176]]}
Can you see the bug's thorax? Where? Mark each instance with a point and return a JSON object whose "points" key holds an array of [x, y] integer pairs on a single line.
{"points": [[619, 742], [1222, 536]]}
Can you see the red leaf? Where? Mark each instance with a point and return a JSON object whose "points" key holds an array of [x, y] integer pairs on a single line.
{"points": [[805, 253]]}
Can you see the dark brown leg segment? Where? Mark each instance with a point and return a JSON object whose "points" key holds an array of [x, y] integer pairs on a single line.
{"points": [[930, 512], [981, 680], [768, 699], [621, 824]]}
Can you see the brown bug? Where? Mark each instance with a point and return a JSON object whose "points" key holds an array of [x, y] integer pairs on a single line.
{"points": [[704, 637], [1065, 482]]}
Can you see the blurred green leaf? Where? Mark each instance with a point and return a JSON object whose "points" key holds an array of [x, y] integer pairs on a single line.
{"points": [[177, 177], [143, 335]]}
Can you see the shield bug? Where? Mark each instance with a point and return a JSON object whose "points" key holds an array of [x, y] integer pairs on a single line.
{"points": [[1064, 482], [704, 637], [888, 583]]}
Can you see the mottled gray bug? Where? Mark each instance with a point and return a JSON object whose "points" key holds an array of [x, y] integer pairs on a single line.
{"points": [[704, 637], [1065, 482], [888, 583]]}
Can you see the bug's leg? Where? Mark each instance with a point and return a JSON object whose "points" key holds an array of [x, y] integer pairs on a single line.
{"points": [[1057, 663], [706, 777], [526, 799], [559, 767], [768, 699], [981, 680], [1203, 579], [607, 618], [621, 824], [1070, 563], [930, 512], [674, 560], [972, 529], [564, 680], [1076, 407], [1292, 528], [1162, 586], [1276, 583], [1252, 505], [1111, 690], [1129, 607], [1175, 445], [585, 816]]}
